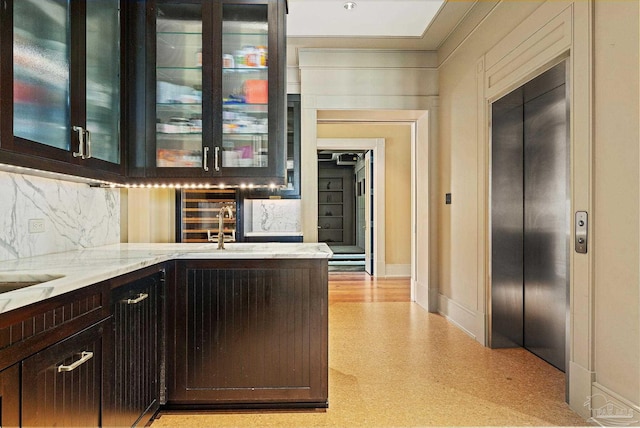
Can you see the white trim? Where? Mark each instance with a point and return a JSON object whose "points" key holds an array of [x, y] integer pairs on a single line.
{"points": [[580, 387], [399, 271], [455, 313], [616, 398], [377, 146], [413, 267]]}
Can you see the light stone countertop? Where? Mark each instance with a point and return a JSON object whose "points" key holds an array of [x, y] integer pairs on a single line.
{"points": [[73, 270]]}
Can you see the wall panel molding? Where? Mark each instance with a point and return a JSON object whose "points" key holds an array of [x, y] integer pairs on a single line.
{"points": [[526, 52]]}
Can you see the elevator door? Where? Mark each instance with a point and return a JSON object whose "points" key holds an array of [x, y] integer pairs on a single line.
{"points": [[530, 218]]}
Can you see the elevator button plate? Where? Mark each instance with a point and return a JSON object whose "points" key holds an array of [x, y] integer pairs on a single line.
{"points": [[581, 232]]}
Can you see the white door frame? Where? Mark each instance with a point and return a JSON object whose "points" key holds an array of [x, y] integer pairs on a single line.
{"points": [[368, 215], [377, 146]]}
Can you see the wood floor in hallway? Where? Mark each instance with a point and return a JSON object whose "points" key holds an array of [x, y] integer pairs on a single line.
{"points": [[392, 364]]}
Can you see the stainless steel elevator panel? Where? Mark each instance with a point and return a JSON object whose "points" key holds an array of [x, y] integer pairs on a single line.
{"points": [[507, 228], [530, 221], [546, 225]]}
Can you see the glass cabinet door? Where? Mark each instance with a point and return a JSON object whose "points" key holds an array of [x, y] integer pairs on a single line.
{"points": [[102, 53], [245, 98], [179, 141], [66, 79], [41, 56]]}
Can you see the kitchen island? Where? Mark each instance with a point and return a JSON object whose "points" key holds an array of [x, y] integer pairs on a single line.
{"points": [[185, 326]]}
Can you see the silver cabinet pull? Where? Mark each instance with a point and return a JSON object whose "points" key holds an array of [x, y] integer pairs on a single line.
{"points": [[138, 299], [80, 152], [216, 159], [205, 160], [84, 357], [88, 144]]}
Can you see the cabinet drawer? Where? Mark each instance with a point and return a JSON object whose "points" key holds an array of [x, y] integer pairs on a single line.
{"points": [[62, 385], [27, 330]]}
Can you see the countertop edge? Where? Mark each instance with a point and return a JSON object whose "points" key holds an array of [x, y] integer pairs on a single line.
{"points": [[78, 269]]}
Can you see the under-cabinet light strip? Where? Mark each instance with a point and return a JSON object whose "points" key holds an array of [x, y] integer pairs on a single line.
{"points": [[108, 184]]}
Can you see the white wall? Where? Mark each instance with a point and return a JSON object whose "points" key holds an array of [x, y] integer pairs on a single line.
{"points": [[75, 216]]}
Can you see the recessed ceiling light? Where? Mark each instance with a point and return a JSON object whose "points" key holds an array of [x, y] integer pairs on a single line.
{"points": [[350, 5]]}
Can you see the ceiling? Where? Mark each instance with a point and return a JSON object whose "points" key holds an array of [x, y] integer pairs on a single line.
{"points": [[365, 18], [374, 24]]}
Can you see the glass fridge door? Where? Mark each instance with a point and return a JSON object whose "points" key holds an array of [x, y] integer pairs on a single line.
{"points": [[245, 98]]}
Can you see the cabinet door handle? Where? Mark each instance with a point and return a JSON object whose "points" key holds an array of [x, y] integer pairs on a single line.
{"points": [[138, 299], [87, 144], [80, 152], [84, 357], [216, 159], [205, 159]]}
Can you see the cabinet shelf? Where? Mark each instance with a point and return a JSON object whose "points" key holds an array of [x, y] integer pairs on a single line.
{"points": [[181, 68], [246, 133], [246, 107], [179, 33], [245, 33], [244, 69], [179, 104]]}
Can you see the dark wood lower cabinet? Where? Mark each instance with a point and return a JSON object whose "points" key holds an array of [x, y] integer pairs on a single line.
{"points": [[132, 363], [10, 396], [61, 385], [249, 333]]}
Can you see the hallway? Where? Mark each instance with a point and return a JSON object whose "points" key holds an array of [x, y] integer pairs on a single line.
{"points": [[393, 364]]}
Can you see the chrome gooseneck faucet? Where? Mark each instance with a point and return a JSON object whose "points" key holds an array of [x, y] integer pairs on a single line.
{"points": [[221, 225]]}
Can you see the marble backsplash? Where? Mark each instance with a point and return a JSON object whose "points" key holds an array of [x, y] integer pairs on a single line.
{"points": [[272, 215], [75, 216]]}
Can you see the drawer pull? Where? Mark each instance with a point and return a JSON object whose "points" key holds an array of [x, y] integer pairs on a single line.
{"points": [[138, 299], [85, 356]]}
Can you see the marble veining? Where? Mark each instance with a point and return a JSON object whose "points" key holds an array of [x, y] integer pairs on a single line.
{"points": [[72, 270], [276, 215], [75, 216]]}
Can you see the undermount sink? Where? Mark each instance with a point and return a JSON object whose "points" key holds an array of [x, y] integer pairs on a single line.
{"points": [[16, 281]]}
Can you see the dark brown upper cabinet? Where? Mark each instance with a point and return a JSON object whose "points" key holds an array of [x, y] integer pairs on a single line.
{"points": [[61, 108], [213, 94], [292, 188]]}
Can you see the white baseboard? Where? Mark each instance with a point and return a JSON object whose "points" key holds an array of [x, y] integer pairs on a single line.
{"points": [[608, 408], [398, 271], [463, 318], [421, 294], [580, 381]]}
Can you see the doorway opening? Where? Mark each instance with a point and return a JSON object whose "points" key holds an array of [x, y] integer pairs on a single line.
{"points": [[530, 218], [345, 198]]}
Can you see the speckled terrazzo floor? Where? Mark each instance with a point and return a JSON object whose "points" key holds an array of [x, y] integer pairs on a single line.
{"points": [[395, 365]]}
